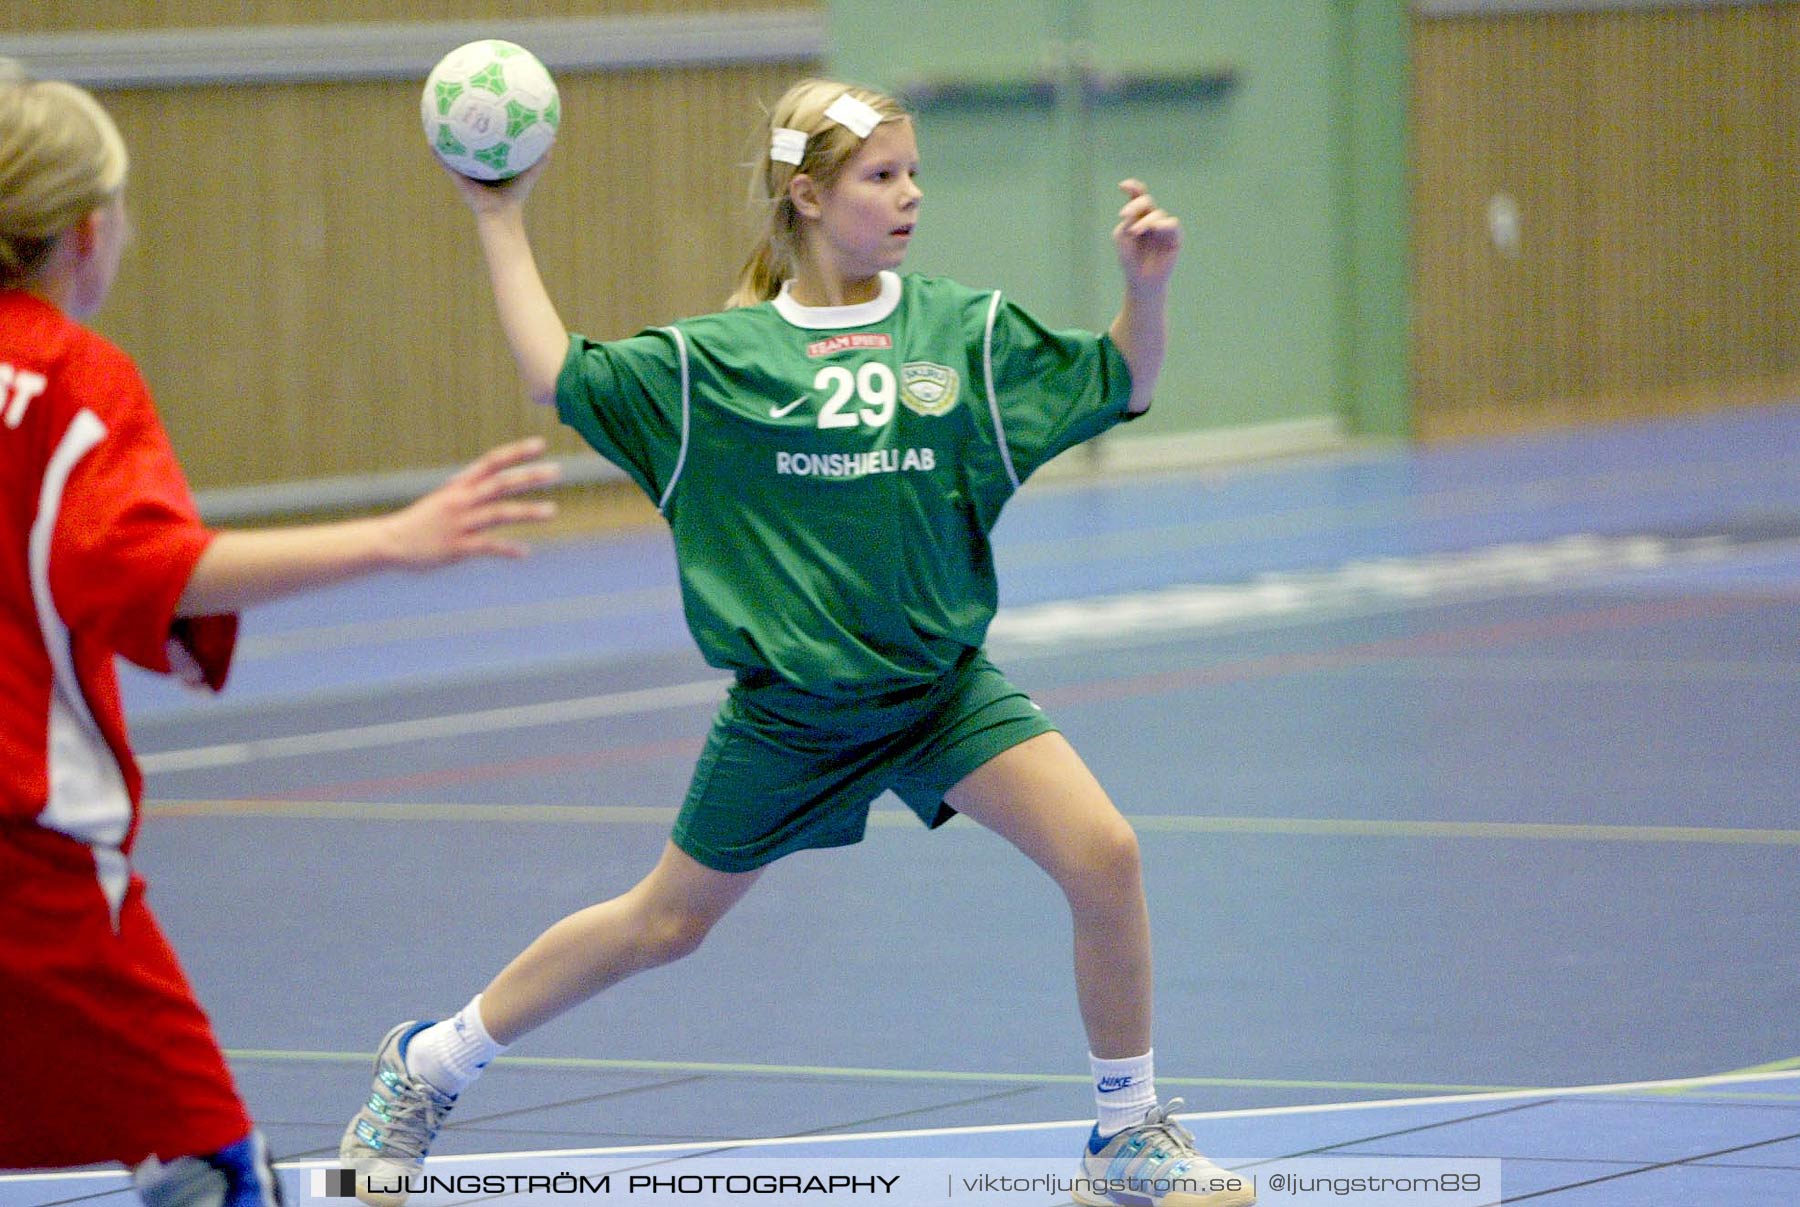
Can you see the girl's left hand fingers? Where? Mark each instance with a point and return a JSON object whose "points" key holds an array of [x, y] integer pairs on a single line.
{"points": [[502, 457], [524, 513], [501, 513], [517, 481], [513, 453]]}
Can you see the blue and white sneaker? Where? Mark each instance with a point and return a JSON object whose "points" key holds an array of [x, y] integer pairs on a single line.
{"points": [[1154, 1165], [387, 1141]]}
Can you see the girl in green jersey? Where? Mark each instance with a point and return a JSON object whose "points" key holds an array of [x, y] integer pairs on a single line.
{"points": [[906, 410]]}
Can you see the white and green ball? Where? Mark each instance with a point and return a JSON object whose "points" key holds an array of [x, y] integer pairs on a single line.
{"points": [[490, 109]]}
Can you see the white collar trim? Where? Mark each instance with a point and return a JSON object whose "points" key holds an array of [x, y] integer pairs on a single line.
{"points": [[836, 317]]}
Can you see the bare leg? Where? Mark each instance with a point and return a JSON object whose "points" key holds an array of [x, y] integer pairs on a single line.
{"points": [[1041, 797], [662, 918]]}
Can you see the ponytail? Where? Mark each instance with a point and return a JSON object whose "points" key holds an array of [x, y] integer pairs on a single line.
{"points": [[760, 278]]}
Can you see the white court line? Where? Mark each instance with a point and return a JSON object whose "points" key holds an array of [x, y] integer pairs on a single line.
{"points": [[1298, 521], [1322, 1108], [460, 623], [1505, 499], [1626, 1087], [1486, 572], [456, 725], [70, 1176], [1385, 584]]}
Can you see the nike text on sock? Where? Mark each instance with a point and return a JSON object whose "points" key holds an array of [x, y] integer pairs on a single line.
{"points": [[1124, 1091]]}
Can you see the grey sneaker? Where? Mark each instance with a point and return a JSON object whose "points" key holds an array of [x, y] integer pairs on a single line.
{"points": [[387, 1141], [1154, 1165]]}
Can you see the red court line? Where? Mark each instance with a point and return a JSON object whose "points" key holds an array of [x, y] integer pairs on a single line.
{"points": [[1490, 636], [1563, 625]]}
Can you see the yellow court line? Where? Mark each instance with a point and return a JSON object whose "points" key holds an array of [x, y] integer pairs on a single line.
{"points": [[596, 1064], [1510, 831], [332, 810], [1769, 1070], [1309, 827], [1773, 1066]]}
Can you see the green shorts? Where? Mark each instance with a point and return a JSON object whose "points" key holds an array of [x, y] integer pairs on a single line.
{"points": [[783, 770]]}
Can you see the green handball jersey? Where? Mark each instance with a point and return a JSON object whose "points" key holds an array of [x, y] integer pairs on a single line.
{"points": [[831, 474]]}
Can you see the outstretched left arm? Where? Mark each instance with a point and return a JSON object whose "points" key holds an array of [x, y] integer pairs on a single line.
{"points": [[1148, 240], [451, 524]]}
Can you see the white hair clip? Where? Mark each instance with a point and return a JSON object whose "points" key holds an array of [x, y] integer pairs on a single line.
{"points": [[787, 146], [856, 116]]}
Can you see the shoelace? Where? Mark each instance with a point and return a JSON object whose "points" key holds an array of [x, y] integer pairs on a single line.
{"points": [[1178, 1141], [414, 1117]]}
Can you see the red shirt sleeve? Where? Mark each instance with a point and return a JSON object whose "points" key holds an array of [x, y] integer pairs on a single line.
{"points": [[129, 536]]}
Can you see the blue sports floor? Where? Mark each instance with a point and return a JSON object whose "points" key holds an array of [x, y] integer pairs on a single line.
{"points": [[1466, 781]]}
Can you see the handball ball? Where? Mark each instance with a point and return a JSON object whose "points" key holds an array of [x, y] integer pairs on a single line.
{"points": [[490, 109]]}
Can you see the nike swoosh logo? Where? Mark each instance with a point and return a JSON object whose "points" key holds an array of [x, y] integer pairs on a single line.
{"points": [[778, 412]]}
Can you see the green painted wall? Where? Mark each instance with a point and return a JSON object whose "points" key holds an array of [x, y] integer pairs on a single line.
{"points": [[1291, 300]]}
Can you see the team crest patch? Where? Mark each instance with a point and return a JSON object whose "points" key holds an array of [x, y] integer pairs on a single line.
{"points": [[928, 389]]}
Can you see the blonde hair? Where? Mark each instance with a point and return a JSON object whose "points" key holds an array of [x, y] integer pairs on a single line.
{"points": [[61, 158], [829, 146]]}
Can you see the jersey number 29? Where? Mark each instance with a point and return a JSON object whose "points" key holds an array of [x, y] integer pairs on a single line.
{"points": [[873, 385]]}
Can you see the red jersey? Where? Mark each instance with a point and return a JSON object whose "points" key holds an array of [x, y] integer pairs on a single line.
{"points": [[98, 537], [112, 1058]]}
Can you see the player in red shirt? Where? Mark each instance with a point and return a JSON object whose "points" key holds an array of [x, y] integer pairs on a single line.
{"points": [[108, 1057]]}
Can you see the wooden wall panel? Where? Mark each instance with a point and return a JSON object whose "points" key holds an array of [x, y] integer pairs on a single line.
{"points": [[304, 293], [68, 16], [1654, 158]]}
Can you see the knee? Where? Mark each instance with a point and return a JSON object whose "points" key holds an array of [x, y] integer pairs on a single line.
{"points": [[1115, 847], [1104, 860], [671, 933], [669, 913]]}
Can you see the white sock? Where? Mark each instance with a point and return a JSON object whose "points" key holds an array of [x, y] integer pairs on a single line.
{"points": [[451, 1054], [1124, 1090]]}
